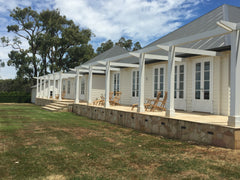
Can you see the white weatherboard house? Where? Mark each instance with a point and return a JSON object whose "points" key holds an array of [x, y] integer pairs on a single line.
{"points": [[197, 64]]}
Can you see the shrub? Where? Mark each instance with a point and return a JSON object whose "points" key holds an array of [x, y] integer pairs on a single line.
{"points": [[15, 97]]}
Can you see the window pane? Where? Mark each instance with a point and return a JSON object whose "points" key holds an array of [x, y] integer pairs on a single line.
{"points": [[207, 65], [197, 85], [161, 71], [161, 86], [198, 75], [161, 78], [206, 85], [198, 67], [181, 77], [206, 94], [181, 68], [181, 94], [181, 86], [206, 75], [197, 94]]}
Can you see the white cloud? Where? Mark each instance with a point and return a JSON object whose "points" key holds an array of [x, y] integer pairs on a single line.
{"points": [[140, 20]]}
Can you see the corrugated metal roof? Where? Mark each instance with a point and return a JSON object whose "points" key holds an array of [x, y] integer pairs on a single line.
{"points": [[207, 22], [202, 24], [114, 51]]}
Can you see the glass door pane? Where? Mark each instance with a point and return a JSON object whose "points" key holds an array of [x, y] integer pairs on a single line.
{"points": [[198, 81], [206, 80], [181, 81]]}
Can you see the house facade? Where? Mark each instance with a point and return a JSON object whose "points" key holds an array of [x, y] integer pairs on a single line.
{"points": [[196, 64]]}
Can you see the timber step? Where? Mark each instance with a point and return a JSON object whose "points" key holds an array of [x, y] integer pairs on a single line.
{"points": [[58, 106]]}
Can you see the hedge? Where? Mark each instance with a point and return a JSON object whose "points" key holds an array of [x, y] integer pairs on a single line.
{"points": [[15, 97]]}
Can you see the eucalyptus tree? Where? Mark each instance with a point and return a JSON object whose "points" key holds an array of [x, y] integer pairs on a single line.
{"points": [[127, 44], [63, 40], [28, 27]]}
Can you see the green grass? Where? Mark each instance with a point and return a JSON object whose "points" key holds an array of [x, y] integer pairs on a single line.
{"points": [[37, 144]]}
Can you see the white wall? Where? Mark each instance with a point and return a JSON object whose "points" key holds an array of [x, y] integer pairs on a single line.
{"points": [[220, 82]]}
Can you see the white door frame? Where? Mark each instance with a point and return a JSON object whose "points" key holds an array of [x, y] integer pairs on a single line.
{"points": [[180, 103], [202, 105], [134, 99], [164, 78]]}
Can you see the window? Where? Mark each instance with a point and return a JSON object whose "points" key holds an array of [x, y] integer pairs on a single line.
{"points": [[135, 83], [179, 82], [198, 81], [82, 86], [116, 81], [68, 87], [56, 84], [159, 81], [206, 80]]}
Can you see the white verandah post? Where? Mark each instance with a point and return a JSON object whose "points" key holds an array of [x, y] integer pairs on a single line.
{"points": [[60, 86], [90, 86], [37, 94], [44, 87], [54, 86], [48, 96], [77, 87], [107, 83], [234, 118], [40, 92], [141, 82], [170, 111]]}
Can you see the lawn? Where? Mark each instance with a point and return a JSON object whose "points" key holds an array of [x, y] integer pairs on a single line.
{"points": [[37, 144]]}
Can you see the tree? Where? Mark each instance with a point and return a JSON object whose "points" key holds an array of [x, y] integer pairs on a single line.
{"points": [[55, 43], [105, 46], [2, 64], [63, 40], [29, 28], [127, 44]]}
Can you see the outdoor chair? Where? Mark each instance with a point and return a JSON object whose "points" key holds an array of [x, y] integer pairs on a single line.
{"points": [[149, 102], [162, 105], [101, 101], [116, 100]]}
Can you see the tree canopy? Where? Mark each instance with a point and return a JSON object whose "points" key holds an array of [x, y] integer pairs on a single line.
{"points": [[54, 42], [125, 43]]}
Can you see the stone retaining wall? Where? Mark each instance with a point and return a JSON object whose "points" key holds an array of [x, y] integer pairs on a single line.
{"points": [[216, 135], [44, 102]]}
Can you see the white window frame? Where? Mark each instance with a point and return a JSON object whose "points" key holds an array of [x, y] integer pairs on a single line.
{"points": [[82, 89], [136, 88], [68, 86], [184, 80], [164, 79], [116, 87]]}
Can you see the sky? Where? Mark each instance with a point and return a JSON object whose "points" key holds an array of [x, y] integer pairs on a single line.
{"points": [[140, 20]]}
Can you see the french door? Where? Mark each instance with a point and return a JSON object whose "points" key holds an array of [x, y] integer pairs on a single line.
{"points": [[202, 94], [82, 88], [135, 86], [159, 81], [179, 86]]}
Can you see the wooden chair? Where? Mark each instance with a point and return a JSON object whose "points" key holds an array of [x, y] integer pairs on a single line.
{"points": [[116, 100], [149, 103], [162, 105], [101, 101], [63, 94]]}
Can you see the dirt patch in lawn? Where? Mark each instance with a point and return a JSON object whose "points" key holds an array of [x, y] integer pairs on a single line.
{"points": [[55, 177]]}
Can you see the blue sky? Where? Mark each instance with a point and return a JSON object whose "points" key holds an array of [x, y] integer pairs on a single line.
{"points": [[139, 20]]}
